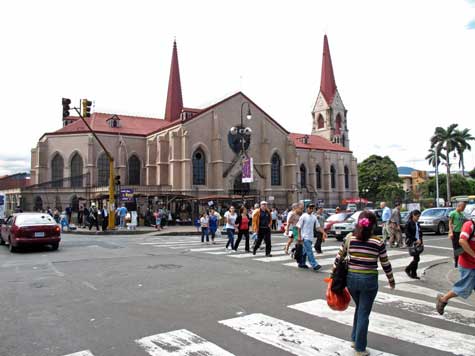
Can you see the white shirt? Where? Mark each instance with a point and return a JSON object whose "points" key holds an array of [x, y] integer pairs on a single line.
{"points": [[204, 221], [232, 220], [307, 223]]}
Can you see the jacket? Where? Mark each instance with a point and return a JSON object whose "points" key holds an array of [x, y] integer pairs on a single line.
{"points": [[256, 219], [411, 232]]}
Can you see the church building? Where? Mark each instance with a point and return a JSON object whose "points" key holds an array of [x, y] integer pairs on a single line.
{"points": [[194, 154]]}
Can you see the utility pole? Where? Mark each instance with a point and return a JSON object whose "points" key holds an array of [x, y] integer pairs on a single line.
{"points": [[436, 178]]}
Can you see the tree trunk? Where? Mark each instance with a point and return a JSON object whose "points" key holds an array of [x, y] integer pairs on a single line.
{"points": [[448, 179]]}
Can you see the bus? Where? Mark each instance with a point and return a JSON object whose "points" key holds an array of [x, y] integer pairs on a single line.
{"points": [[469, 199]]}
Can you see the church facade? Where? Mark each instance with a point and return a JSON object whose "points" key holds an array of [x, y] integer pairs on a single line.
{"points": [[191, 154]]}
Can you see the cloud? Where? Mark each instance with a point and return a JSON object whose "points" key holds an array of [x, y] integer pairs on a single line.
{"points": [[471, 2], [471, 25], [11, 166]]}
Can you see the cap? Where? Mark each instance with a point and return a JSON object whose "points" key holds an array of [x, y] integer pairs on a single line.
{"points": [[263, 202]]}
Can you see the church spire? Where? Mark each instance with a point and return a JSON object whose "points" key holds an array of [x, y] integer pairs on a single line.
{"points": [[174, 98], [327, 84]]}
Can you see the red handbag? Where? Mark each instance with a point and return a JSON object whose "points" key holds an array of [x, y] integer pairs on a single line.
{"points": [[337, 301]]}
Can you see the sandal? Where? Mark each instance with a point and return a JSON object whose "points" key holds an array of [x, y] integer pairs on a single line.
{"points": [[440, 305]]}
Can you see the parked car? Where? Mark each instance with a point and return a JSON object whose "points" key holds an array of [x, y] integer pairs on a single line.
{"points": [[340, 230], [27, 229], [435, 220], [404, 218], [335, 219], [352, 207], [329, 211], [468, 210]]}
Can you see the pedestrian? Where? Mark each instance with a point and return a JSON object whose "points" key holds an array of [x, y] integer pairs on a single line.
{"points": [[306, 225], [86, 217], [337, 210], [395, 227], [56, 216], [385, 217], [204, 224], [413, 239], [122, 213], [291, 230], [274, 219], [214, 218], [318, 234], [456, 220], [93, 215], [465, 286], [261, 224], [242, 223], [364, 250], [105, 218], [69, 213], [230, 217]]}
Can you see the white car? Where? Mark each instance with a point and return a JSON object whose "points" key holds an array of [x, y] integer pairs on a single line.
{"points": [[340, 230]]}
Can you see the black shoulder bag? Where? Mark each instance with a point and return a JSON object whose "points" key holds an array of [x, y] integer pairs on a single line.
{"points": [[341, 269]]}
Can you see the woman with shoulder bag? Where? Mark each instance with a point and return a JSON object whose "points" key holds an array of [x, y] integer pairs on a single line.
{"points": [[243, 222], [414, 242], [363, 251]]}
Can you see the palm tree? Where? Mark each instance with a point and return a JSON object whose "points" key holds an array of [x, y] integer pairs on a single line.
{"points": [[464, 137], [446, 140], [432, 159]]}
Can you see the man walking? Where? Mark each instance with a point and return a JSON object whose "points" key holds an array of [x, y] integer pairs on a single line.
{"points": [[93, 212], [105, 218], [456, 220], [395, 227], [261, 224], [466, 262], [122, 212], [318, 233], [386, 216], [306, 225]]}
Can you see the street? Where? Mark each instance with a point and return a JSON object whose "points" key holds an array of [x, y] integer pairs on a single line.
{"points": [[149, 295]]}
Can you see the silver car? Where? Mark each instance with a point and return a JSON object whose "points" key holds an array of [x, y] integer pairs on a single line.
{"points": [[435, 220]]}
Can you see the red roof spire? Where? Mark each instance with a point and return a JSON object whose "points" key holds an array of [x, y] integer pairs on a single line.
{"points": [[327, 84], [174, 98]]}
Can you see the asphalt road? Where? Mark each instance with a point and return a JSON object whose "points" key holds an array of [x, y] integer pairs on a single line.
{"points": [[99, 295]]}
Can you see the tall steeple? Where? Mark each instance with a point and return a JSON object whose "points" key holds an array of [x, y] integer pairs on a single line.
{"points": [[327, 83], [174, 98]]}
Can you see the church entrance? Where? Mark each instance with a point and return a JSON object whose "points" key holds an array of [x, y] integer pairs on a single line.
{"points": [[241, 188]]}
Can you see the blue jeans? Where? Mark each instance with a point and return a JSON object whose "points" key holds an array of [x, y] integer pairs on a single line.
{"points": [[122, 221], [308, 253], [363, 289], [230, 238], [204, 232]]}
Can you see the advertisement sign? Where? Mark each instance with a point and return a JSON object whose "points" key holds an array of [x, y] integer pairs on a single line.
{"points": [[247, 171], [127, 194]]}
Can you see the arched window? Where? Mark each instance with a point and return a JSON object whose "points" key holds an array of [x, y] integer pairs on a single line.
{"points": [[57, 171], [333, 177], [303, 176], [320, 122], [134, 170], [76, 171], [103, 170], [338, 125], [275, 170], [343, 140], [347, 178], [199, 167], [318, 173]]}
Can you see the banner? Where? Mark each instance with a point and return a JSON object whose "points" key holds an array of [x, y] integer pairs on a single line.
{"points": [[247, 171], [126, 195]]}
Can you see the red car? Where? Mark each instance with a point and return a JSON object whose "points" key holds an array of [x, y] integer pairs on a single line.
{"points": [[335, 219], [26, 229]]}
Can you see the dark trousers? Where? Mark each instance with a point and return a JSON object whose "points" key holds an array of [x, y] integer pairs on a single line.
{"points": [[240, 234], [456, 245], [274, 224], [93, 222], [263, 234], [204, 232], [105, 222], [318, 242], [412, 268]]}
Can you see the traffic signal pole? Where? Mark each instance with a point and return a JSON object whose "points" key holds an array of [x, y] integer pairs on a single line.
{"points": [[111, 207]]}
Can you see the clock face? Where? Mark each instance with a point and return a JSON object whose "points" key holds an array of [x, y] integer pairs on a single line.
{"points": [[234, 141]]}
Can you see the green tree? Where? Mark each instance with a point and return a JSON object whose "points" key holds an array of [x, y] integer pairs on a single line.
{"points": [[464, 137], [378, 178], [472, 173], [459, 185]]}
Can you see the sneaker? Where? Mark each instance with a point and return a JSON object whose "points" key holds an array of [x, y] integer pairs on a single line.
{"points": [[362, 353], [303, 266], [317, 268], [440, 305], [254, 252], [269, 255]]}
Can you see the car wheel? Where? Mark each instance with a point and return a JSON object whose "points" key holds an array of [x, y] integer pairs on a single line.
{"points": [[441, 229], [11, 248], [55, 246]]}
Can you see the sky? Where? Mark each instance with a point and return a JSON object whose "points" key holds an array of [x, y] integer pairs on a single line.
{"points": [[402, 67]]}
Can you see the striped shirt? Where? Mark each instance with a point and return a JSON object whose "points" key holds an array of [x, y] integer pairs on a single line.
{"points": [[364, 256]]}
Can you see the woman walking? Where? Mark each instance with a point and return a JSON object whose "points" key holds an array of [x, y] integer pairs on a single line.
{"points": [[230, 217], [242, 223], [414, 242], [364, 250], [291, 230], [213, 222], [204, 223]]}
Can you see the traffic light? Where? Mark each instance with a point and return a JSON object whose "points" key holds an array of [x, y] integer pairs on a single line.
{"points": [[66, 102], [86, 107], [117, 180]]}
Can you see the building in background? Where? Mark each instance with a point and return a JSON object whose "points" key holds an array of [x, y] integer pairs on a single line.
{"points": [[11, 188], [412, 179]]}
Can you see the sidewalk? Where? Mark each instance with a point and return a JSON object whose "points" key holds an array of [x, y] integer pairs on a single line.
{"points": [[167, 231]]}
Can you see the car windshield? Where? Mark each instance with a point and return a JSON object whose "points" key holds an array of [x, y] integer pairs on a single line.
{"points": [[433, 212], [404, 214], [469, 208], [354, 217], [338, 217], [34, 219]]}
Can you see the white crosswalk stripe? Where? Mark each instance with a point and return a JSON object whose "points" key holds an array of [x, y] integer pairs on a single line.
{"points": [[292, 338], [427, 292], [397, 328], [81, 353], [180, 343]]}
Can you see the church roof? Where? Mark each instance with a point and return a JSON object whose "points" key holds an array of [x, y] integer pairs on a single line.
{"points": [[315, 142], [327, 81], [174, 104]]}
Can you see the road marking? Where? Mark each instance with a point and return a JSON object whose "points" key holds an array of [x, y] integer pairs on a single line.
{"points": [[397, 328], [427, 292], [439, 247], [180, 343], [206, 249], [292, 338], [453, 314], [81, 353], [329, 251], [55, 270], [89, 285], [403, 262]]}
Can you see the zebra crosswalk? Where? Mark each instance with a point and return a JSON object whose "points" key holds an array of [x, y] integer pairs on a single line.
{"points": [[290, 337]]}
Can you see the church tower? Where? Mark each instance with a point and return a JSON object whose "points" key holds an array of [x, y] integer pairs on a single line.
{"points": [[174, 105], [329, 113]]}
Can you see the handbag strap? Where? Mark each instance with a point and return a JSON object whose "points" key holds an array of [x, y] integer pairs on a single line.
{"points": [[347, 246]]}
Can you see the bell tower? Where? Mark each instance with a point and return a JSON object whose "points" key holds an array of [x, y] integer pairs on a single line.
{"points": [[329, 113]]}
